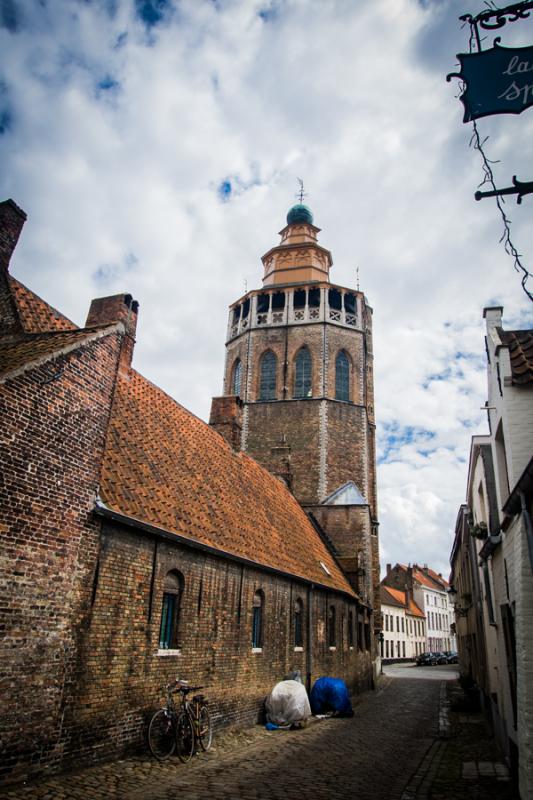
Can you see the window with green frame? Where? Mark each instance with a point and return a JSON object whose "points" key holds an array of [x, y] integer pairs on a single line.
{"points": [[257, 621], [170, 612], [298, 623]]}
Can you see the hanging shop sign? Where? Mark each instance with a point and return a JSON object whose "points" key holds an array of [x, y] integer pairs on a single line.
{"points": [[497, 81]]}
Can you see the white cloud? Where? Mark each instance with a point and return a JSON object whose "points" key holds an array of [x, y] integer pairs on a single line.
{"points": [[121, 189]]}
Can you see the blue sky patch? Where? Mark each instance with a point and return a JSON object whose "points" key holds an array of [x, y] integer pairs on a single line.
{"points": [[151, 11], [394, 436], [106, 84], [6, 121], [268, 14], [9, 16], [224, 190]]}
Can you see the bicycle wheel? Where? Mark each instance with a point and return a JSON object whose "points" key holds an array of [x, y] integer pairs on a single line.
{"points": [[162, 735], [184, 737], [205, 731]]}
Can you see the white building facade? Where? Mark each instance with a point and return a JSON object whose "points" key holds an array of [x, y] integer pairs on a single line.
{"points": [[497, 530], [404, 626], [429, 591]]}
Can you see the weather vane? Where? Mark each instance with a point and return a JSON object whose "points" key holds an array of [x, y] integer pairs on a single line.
{"points": [[301, 194], [245, 286], [357, 277]]}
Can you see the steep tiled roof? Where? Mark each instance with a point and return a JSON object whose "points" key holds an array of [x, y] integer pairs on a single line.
{"points": [[520, 344], [415, 610], [392, 597], [395, 597], [166, 467], [432, 579], [15, 355], [35, 314]]}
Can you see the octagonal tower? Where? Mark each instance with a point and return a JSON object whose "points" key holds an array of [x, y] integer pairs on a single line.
{"points": [[299, 397]]}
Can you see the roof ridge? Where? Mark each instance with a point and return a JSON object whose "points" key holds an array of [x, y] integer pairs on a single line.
{"points": [[27, 319]]}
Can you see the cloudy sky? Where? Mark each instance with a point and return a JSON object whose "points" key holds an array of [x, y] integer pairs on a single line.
{"points": [[155, 146]]}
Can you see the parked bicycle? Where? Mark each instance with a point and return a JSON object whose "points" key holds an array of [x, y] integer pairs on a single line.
{"points": [[180, 727]]}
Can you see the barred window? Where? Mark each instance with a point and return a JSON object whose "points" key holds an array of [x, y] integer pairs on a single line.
{"points": [[332, 633], [342, 377], [302, 374], [267, 372], [298, 623], [172, 593], [236, 380], [257, 621]]}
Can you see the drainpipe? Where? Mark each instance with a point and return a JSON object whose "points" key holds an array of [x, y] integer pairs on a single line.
{"points": [[309, 637], [529, 527]]}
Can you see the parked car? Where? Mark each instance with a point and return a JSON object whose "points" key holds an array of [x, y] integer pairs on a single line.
{"points": [[441, 658], [451, 656], [426, 660]]}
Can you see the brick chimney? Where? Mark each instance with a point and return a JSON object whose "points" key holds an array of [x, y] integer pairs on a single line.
{"points": [[117, 308], [226, 418], [12, 219]]}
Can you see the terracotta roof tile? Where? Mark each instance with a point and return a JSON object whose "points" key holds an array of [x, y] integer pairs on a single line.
{"points": [[35, 314], [415, 610], [520, 344], [15, 355], [166, 467], [392, 596]]}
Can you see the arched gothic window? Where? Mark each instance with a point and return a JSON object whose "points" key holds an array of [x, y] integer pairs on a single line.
{"points": [[170, 613], [302, 374], [257, 621], [298, 623], [342, 377], [267, 376], [236, 379]]}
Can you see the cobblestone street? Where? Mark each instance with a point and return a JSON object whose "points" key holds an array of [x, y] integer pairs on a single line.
{"points": [[389, 750]]}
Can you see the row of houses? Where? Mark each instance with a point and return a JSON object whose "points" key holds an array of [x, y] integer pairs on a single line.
{"points": [[492, 555], [416, 610]]}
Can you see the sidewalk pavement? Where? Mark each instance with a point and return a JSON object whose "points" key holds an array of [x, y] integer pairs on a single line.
{"points": [[464, 762]]}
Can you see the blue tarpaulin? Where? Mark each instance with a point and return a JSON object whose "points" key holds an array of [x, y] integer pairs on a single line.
{"points": [[331, 694]]}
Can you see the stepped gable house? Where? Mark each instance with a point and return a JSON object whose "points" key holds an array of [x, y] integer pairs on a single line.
{"points": [[139, 545]]}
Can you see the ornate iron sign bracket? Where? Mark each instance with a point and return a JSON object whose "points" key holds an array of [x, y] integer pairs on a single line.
{"points": [[519, 188]]}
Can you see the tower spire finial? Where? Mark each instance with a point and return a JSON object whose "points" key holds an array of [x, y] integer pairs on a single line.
{"points": [[301, 194]]}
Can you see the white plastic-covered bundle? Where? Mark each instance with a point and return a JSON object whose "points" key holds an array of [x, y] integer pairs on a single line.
{"points": [[287, 703]]}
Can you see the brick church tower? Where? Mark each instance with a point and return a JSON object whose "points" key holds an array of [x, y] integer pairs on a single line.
{"points": [[298, 393]]}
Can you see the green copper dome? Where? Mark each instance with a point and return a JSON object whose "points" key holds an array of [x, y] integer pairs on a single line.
{"points": [[299, 213]]}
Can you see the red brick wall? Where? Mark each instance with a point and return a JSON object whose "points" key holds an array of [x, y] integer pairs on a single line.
{"points": [[120, 685], [12, 219], [54, 419]]}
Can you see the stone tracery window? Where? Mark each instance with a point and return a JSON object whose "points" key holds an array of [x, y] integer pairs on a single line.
{"points": [[302, 374], [342, 377], [236, 378], [267, 376]]}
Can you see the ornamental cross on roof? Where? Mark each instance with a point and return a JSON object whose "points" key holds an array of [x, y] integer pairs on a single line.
{"points": [[301, 194]]}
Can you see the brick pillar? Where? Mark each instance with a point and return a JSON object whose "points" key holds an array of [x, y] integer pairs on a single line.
{"points": [[117, 308], [226, 418], [12, 219]]}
